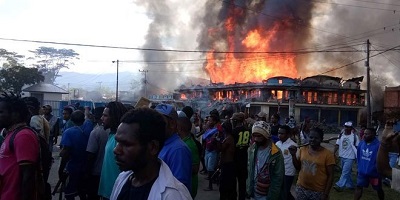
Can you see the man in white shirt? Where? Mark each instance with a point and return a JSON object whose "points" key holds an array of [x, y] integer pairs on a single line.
{"points": [[140, 137], [347, 146], [283, 144]]}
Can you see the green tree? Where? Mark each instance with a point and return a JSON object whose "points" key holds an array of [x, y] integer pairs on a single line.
{"points": [[9, 58], [50, 61], [13, 78]]}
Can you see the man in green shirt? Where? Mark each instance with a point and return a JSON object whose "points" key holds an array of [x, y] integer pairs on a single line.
{"points": [[184, 128]]}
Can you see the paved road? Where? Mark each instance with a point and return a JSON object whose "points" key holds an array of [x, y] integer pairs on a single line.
{"points": [[201, 195]]}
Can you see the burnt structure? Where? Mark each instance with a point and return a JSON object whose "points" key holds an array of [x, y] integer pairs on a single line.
{"points": [[323, 98]]}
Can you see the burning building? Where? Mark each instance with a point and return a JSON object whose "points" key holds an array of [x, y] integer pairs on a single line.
{"points": [[326, 99]]}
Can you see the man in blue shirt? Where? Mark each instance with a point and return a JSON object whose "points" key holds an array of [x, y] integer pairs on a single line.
{"points": [[73, 156], [366, 158], [175, 152]]}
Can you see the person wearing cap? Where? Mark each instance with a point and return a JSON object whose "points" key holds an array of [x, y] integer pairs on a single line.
{"points": [[315, 164], [175, 153], [261, 116], [54, 125], [242, 140], [346, 144], [266, 168]]}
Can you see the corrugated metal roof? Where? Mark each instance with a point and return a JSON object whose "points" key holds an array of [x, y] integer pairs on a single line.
{"points": [[45, 88]]}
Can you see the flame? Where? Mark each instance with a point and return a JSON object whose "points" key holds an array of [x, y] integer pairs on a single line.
{"points": [[250, 67], [183, 97]]}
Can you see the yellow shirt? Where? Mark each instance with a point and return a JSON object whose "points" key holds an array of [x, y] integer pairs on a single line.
{"points": [[313, 173]]}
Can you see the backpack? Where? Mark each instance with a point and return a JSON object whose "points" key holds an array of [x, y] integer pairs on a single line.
{"points": [[43, 189]]}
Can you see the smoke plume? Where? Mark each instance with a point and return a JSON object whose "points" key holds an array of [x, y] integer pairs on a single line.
{"points": [[171, 28]]}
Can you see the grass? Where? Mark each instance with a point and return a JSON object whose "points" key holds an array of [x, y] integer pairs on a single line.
{"points": [[368, 193]]}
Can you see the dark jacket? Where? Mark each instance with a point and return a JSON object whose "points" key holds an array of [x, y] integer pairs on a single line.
{"points": [[276, 171]]}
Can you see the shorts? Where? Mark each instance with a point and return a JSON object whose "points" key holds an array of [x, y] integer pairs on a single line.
{"points": [[365, 180], [211, 160]]}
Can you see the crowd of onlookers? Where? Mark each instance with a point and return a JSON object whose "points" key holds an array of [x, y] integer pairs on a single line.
{"points": [[118, 152]]}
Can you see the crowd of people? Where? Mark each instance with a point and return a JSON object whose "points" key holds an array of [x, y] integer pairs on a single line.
{"points": [[120, 153]]}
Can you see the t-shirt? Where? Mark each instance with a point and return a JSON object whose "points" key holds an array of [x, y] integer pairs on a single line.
{"points": [[68, 124], [261, 158], [313, 174], [366, 158], [41, 125], [53, 120], [195, 161], [76, 140], [110, 169], [176, 154], [96, 144], [346, 146], [26, 148], [274, 129], [242, 138], [129, 192], [87, 127], [290, 170]]}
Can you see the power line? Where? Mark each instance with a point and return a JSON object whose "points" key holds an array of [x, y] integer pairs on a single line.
{"points": [[355, 6], [178, 50], [380, 3], [349, 64]]}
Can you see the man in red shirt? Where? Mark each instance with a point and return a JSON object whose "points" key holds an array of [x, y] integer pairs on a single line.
{"points": [[17, 165]]}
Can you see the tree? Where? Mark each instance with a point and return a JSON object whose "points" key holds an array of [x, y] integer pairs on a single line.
{"points": [[50, 61], [9, 58], [13, 78]]}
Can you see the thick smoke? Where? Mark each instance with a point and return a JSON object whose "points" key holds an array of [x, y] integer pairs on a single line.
{"points": [[170, 29], [381, 27]]}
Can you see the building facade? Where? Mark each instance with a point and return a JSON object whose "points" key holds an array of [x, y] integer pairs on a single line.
{"points": [[325, 99]]}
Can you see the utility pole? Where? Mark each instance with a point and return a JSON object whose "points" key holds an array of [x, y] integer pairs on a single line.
{"points": [[145, 81], [116, 90], [69, 100], [369, 116]]}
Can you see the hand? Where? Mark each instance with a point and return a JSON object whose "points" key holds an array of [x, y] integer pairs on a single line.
{"points": [[389, 137], [292, 150]]}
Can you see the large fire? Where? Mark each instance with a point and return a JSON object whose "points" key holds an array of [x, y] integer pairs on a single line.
{"points": [[250, 67]]}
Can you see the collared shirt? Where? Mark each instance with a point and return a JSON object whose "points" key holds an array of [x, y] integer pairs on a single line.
{"points": [[165, 187], [284, 147], [176, 154]]}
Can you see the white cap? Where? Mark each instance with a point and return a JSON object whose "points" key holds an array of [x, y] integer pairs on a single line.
{"points": [[349, 124]]}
